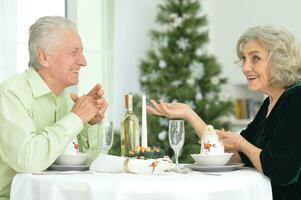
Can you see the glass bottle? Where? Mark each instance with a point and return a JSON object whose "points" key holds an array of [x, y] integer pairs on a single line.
{"points": [[129, 131]]}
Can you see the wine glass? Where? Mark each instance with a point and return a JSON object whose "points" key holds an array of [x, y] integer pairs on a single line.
{"points": [[176, 133], [105, 129]]}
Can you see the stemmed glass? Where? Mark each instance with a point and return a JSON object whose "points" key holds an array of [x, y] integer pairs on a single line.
{"points": [[105, 129], [176, 133]]}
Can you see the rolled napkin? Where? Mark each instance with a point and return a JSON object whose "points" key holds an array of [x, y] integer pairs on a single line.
{"points": [[117, 164]]}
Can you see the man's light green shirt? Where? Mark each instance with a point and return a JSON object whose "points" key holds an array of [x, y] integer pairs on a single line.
{"points": [[35, 127]]}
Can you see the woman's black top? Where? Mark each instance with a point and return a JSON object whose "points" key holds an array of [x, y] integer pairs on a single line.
{"points": [[279, 137]]}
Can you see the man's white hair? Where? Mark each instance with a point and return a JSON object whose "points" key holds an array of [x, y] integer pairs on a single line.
{"points": [[45, 34]]}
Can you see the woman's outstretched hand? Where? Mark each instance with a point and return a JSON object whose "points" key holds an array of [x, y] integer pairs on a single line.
{"points": [[169, 110]]}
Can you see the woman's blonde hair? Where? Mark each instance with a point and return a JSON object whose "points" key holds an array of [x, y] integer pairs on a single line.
{"points": [[284, 53]]}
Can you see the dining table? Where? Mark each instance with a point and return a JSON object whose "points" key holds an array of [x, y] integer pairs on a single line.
{"points": [[242, 184]]}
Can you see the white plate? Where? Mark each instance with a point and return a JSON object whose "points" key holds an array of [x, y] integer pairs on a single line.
{"points": [[221, 168], [78, 159], [69, 167]]}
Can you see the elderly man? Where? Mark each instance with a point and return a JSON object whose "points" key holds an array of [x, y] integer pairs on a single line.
{"points": [[38, 117]]}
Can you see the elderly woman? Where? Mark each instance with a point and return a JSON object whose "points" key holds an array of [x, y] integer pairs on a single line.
{"points": [[271, 62]]}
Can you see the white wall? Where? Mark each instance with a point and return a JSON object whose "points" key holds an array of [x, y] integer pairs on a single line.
{"points": [[229, 19], [133, 20], [28, 12], [8, 38], [15, 18]]}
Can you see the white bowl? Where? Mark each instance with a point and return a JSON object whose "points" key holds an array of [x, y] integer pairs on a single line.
{"points": [[78, 159], [212, 160]]}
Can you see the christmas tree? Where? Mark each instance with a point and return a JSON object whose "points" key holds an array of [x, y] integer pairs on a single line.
{"points": [[178, 68]]}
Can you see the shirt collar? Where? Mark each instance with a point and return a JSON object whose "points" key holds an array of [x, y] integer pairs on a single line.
{"points": [[37, 84]]}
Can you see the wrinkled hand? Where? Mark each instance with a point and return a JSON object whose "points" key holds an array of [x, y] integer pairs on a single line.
{"points": [[169, 110], [96, 96], [84, 107], [102, 107], [97, 93], [232, 141]]}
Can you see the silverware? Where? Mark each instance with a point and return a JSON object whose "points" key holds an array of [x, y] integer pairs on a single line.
{"points": [[181, 170], [61, 172], [212, 174]]}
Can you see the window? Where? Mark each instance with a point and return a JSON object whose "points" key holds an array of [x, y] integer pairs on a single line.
{"points": [[26, 16]]}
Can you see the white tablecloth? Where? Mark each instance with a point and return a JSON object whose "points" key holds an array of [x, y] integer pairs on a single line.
{"points": [[244, 184]]}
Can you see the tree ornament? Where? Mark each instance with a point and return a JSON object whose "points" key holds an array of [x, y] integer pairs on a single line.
{"points": [[190, 81], [162, 135], [162, 41], [215, 80], [199, 52], [199, 96], [176, 83], [197, 70], [143, 78], [183, 43], [163, 122], [162, 64]]}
